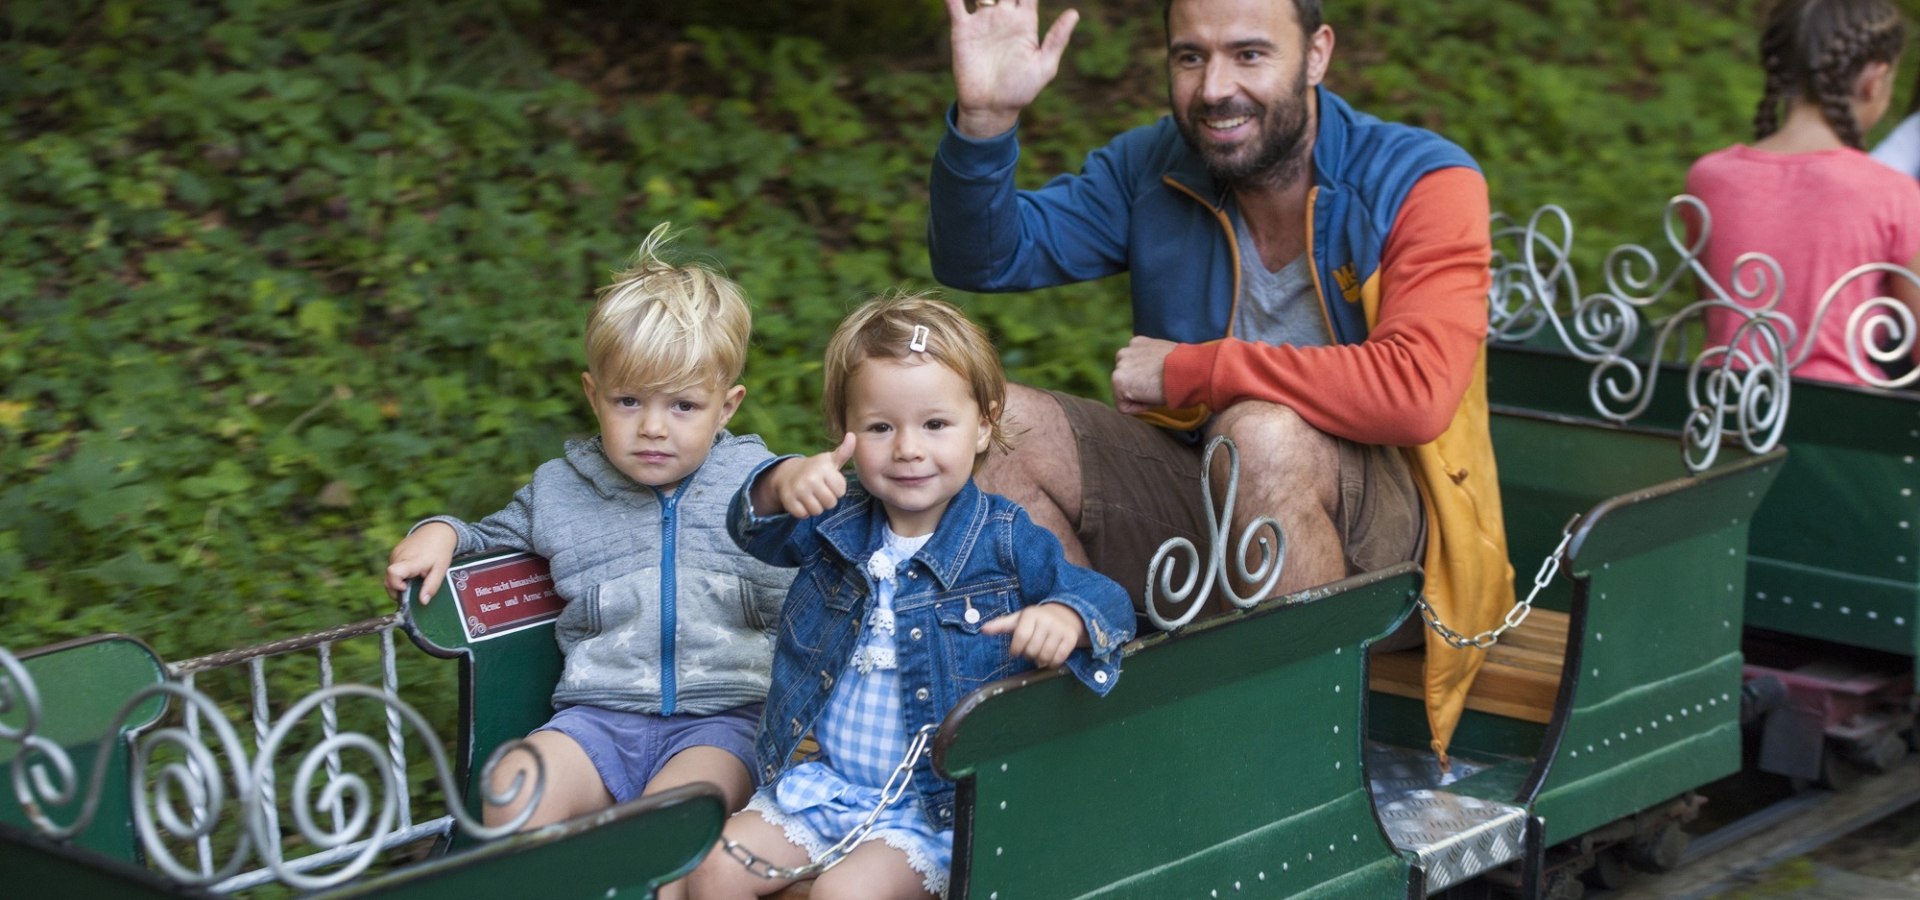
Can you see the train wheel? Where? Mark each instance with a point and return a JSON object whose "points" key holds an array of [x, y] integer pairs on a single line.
{"points": [[1837, 773], [1563, 884], [1885, 752], [1610, 869], [1659, 850]]}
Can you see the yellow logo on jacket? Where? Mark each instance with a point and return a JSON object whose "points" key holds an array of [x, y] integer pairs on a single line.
{"points": [[1349, 282]]}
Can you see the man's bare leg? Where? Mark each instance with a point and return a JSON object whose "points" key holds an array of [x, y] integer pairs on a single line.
{"points": [[1042, 472], [1288, 470]]}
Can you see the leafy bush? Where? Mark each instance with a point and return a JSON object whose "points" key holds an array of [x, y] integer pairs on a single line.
{"points": [[277, 279]]}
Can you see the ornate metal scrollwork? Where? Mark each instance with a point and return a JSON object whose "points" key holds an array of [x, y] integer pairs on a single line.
{"points": [[1739, 387], [186, 800], [1880, 331], [1194, 592]]}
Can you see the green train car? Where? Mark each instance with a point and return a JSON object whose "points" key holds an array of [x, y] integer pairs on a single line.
{"points": [[1266, 752], [1833, 579], [1262, 753]]}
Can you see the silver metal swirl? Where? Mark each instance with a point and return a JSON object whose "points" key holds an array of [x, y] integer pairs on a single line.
{"points": [[349, 798], [1878, 331], [1741, 389], [1746, 383], [1522, 292], [17, 692], [44, 775], [197, 782], [1262, 533], [183, 801]]}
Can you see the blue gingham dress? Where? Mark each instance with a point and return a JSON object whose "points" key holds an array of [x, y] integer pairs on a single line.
{"points": [[862, 738]]}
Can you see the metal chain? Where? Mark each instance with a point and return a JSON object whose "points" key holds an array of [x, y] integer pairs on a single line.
{"points": [[1548, 568], [896, 786]]}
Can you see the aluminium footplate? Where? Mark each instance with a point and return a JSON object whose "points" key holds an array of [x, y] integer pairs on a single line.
{"points": [[1453, 837]]}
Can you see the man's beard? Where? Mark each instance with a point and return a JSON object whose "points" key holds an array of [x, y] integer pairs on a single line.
{"points": [[1276, 156]]}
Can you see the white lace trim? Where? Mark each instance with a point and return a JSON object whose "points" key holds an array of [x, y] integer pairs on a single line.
{"points": [[885, 563], [801, 835], [881, 620], [881, 566], [932, 877], [867, 659]]}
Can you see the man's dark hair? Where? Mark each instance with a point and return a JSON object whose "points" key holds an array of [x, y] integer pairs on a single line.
{"points": [[1307, 11]]}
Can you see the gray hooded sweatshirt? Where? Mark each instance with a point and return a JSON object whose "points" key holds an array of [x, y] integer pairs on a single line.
{"points": [[664, 614]]}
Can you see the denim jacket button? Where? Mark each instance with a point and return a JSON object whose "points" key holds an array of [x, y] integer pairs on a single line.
{"points": [[946, 813], [921, 694], [769, 773], [1100, 676], [915, 634], [796, 727]]}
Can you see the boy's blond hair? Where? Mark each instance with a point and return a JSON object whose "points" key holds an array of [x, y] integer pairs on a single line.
{"points": [[665, 327], [883, 328]]}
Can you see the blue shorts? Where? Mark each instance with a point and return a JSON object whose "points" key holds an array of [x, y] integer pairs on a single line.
{"points": [[629, 748]]}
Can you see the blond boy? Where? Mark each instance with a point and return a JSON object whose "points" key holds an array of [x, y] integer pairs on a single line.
{"points": [[666, 632]]}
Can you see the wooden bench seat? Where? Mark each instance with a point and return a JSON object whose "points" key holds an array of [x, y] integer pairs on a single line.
{"points": [[1520, 679]]}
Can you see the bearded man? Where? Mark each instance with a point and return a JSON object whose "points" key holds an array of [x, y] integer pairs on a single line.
{"points": [[1306, 279]]}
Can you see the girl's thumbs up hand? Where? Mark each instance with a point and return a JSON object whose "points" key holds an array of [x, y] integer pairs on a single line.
{"points": [[807, 487]]}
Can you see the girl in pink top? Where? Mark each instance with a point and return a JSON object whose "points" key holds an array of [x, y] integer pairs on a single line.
{"points": [[1804, 193]]}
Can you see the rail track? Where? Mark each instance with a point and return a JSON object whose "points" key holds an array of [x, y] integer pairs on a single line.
{"points": [[1739, 853]]}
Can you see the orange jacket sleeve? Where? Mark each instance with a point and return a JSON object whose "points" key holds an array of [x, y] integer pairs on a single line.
{"points": [[1402, 384]]}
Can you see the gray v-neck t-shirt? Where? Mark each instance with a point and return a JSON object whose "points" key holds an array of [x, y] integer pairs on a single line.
{"points": [[1276, 307]]}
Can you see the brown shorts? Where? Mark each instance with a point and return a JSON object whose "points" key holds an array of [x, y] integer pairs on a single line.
{"points": [[1140, 485]]}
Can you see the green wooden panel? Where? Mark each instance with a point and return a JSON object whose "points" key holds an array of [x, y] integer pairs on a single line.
{"points": [[1655, 655], [1835, 606], [1551, 471], [628, 850], [1403, 721], [1551, 381], [1226, 759], [506, 680], [1840, 528], [31, 867], [83, 685], [1658, 572]]}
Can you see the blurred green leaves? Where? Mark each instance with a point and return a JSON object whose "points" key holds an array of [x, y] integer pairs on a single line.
{"points": [[278, 278]]}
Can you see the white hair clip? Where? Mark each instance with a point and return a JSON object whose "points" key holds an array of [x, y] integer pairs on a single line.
{"points": [[919, 342]]}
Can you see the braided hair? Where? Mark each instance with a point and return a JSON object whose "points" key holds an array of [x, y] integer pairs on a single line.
{"points": [[1815, 49]]}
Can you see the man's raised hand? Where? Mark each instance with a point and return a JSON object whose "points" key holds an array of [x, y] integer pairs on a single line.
{"points": [[1000, 62]]}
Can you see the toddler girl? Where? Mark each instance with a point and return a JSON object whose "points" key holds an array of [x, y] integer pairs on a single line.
{"points": [[915, 589]]}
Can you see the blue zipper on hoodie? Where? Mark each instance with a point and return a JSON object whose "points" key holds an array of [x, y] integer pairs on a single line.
{"points": [[667, 598]]}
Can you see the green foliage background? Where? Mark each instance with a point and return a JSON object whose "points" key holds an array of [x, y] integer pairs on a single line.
{"points": [[279, 278]]}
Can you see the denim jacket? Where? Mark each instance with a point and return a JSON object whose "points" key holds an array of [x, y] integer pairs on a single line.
{"points": [[985, 559]]}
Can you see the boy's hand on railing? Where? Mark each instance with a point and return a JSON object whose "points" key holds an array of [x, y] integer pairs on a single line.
{"points": [[1046, 633], [806, 487], [424, 554]]}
